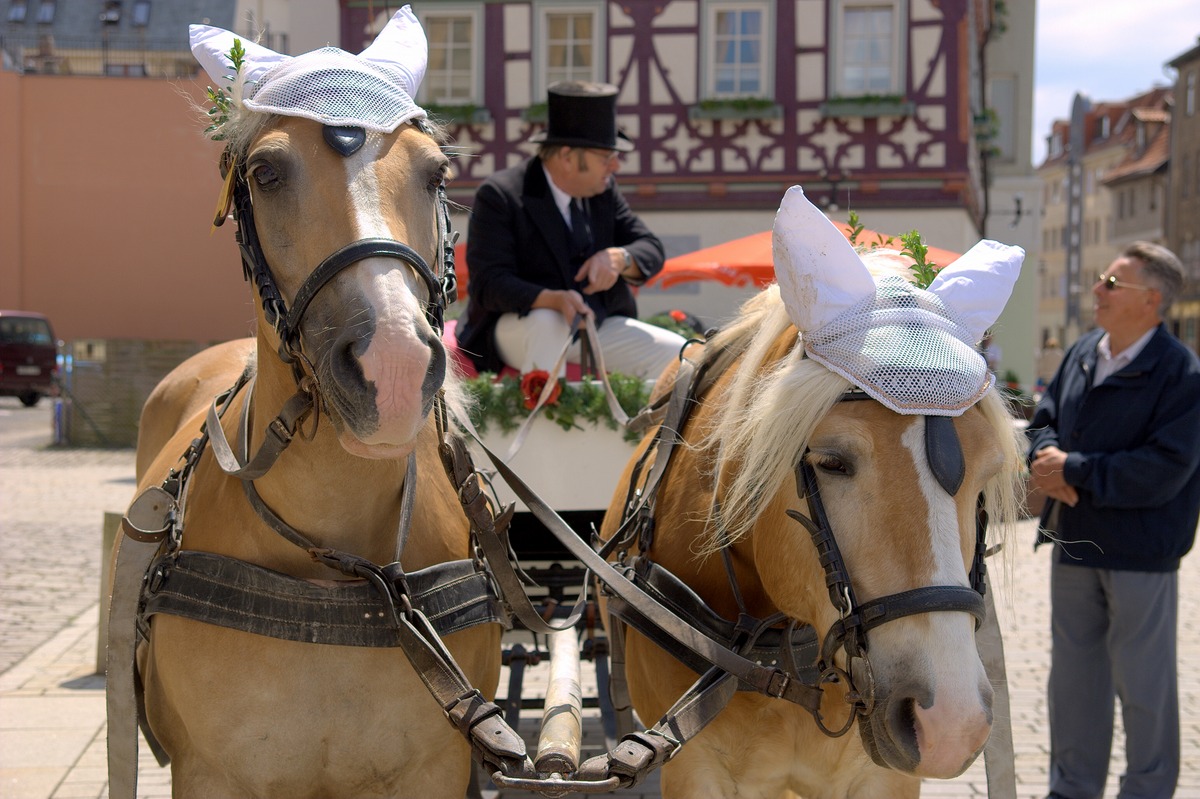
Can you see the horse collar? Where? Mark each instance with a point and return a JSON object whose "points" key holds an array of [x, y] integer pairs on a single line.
{"points": [[346, 140]]}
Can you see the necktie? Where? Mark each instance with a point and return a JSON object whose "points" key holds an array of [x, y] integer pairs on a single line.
{"points": [[581, 233]]}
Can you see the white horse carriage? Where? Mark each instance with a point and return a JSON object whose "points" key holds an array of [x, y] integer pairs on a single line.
{"points": [[312, 581]]}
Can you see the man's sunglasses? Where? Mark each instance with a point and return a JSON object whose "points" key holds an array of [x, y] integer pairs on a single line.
{"points": [[1111, 283]]}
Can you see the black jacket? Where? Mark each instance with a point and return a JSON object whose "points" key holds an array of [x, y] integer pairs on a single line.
{"points": [[518, 244], [1133, 445]]}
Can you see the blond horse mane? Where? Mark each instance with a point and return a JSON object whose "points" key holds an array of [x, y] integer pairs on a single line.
{"points": [[774, 403]]}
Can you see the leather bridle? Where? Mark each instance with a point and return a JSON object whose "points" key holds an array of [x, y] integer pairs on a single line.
{"points": [[849, 632], [441, 288]]}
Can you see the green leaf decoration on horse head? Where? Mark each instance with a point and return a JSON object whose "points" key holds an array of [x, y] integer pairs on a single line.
{"points": [[924, 270], [222, 103]]}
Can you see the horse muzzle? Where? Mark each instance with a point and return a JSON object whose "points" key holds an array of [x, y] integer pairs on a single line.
{"points": [[378, 372], [908, 730]]}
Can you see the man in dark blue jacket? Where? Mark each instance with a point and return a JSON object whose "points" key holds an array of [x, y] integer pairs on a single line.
{"points": [[1115, 446], [552, 239]]}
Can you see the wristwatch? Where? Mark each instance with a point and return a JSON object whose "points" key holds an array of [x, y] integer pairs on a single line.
{"points": [[628, 261]]}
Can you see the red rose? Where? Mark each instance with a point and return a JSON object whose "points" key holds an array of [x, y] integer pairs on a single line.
{"points": [[678, 316], [532, 384]]}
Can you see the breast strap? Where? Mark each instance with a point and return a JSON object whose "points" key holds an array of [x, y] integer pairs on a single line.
{"points": [[242, 596]]}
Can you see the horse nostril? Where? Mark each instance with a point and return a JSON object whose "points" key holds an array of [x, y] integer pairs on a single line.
{"points": [[902, 727], [346, 355]]}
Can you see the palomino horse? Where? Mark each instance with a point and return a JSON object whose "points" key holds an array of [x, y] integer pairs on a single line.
{"points": [[773, 438], [338, 226]]}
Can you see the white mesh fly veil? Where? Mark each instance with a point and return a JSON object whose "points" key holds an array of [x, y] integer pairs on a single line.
{"points": [[373, 90], [911, 349]]}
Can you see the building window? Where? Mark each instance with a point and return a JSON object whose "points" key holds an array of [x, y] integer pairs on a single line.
{"points": [[868, 48], [570, 44], [125, 70], [1189, 97], [16, 11], [1002, 94], [738, 49], [454, 49], [45, 14], [141, 13], [1185, 182]]}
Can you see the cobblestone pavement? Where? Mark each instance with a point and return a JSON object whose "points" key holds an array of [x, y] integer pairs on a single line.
{"points": [[52, 727]]}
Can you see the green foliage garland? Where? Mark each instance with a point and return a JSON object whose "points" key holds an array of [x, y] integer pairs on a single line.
{"points": [[502, 403], [665, 321]]}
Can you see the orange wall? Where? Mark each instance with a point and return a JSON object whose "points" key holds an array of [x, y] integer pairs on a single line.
{"points": [[10, 190], [106, 196]]}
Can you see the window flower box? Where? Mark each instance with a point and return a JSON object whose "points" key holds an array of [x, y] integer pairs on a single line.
{"points": [[868, 106], [736, 108]]}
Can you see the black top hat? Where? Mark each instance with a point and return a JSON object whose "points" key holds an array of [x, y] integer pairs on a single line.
{"points": [[582, 115]]}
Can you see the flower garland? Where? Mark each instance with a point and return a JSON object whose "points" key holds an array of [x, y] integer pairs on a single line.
{"points": [[507, 401]]}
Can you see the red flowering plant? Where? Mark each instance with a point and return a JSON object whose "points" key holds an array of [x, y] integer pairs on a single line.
{"points": [[533, 383]]}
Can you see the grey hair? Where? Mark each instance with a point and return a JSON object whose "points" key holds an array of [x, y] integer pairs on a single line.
{"points": [[1161, 267]]}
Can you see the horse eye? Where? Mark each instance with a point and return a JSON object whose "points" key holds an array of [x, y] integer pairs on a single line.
{"points": [[437, 178], [264, 175], [832, 464]]}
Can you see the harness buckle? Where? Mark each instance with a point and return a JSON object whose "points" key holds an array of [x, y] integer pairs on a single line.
{"points": [[645, 529], [778, 684]]}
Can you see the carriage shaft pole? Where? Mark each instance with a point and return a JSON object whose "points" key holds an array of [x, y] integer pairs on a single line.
{"points": [[562, 719]]}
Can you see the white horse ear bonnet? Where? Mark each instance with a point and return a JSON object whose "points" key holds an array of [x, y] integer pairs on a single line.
{"points": [[911, 349], [373, 90]]}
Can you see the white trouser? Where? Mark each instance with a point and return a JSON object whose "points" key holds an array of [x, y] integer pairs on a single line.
{"points": [[535, 340]]}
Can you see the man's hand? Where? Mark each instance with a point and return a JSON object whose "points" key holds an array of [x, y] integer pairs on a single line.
{"points": [[1047, 475], [602, 270], [569, 303]]}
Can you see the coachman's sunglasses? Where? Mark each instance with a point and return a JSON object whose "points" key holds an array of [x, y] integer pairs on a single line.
{"points": [[1111, 283]]}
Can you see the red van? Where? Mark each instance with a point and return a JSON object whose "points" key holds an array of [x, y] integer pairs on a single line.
{"points": [[28, 357]]}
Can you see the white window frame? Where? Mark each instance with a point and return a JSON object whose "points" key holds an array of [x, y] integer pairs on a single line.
{"points": [[708, 34], [541, 32], [838, 86], [428, 95]]}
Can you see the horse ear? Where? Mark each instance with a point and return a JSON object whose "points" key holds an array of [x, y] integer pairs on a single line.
{"points": [[977, 286], [819, 273], [402, 45], [211, 48]]}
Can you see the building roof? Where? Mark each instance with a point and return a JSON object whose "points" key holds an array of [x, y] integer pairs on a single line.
{"points": [[1153, 159], [1114, 123], [1186, 56], [83, 24]]}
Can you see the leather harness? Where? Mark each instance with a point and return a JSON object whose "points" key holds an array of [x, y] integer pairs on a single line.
{"points": [[776, 656]]}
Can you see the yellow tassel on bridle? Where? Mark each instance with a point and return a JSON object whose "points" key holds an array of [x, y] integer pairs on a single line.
{"points": [[225, 198]]}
